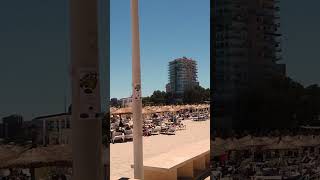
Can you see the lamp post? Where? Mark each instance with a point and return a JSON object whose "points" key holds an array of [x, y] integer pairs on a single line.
{"points": [[86, 123], [136, 93]]}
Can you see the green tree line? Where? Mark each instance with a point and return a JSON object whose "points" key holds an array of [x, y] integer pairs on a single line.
{"points": [[277, 104], [193, 95]]}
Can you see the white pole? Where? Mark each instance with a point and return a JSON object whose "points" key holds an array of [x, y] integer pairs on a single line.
{"points": [[85, 122], [136, 99]]}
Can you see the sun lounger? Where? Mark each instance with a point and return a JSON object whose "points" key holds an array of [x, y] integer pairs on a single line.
{"points": [[128, 134], [181, 127], [164, 130], [156, 130], [171, 131], [147, 132], [117, 136], [195, 118]]}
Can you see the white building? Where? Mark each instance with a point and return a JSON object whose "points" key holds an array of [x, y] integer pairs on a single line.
{"points": [[126, 102]]}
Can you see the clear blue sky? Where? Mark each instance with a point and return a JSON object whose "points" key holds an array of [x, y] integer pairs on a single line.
{"points": [[168, 29]]}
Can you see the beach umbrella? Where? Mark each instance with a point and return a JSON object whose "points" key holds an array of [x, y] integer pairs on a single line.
{"points": [[299, 141], [188, 106], [165, 109], [218, 141], [263, 141], [147, 111], [4, 172], [173, 109], [156, 109], [281, 145], [54, 155], [245, 141], [231, 144], [112, 110], [307, 141], [217, 148], [183, 107], [287, 138], [8, 152], [126, 110], [271, 140]]}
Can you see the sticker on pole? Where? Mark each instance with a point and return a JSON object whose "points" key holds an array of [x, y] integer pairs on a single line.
{"points": [[89, 102], [137, 92]]}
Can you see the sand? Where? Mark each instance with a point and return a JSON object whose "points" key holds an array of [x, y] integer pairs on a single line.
{"points": [[121, 154]]}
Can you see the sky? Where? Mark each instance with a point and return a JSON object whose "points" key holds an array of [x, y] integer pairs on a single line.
{"points": [[34, 48], [169, 29], [34, 57], [300, 43]]}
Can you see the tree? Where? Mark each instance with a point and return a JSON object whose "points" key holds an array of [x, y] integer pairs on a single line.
{"points": [[146, 101], [158, 97], [169, 97], [196, 94], [278, 103]]}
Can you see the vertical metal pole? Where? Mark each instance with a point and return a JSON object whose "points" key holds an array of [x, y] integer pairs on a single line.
{"points": [[85, 122], [44, 132], [136, 95], [65, 122], [60, 132]]}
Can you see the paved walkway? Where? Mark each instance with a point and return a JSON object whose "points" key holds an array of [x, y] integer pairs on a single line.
{"points": [[121, 154]]}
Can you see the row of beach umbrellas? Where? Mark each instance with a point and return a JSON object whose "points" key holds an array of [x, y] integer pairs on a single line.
{"points": [[220, 146], [27, 157], [159, 109], [14, 156]]}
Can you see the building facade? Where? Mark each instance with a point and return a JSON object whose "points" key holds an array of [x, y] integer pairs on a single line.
{"points": [[246, 42], [126, 102], [12, 126], [1, 131], [53, 129], [182, 75], [113, 102]]}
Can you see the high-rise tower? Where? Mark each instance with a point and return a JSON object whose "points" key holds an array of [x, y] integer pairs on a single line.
{"points": [[182, 75], [246, 49]]}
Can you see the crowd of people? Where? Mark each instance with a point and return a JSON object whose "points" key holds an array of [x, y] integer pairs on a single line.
{"points": [[25, 174], [15, 174], [285, 155], [155, 123]]}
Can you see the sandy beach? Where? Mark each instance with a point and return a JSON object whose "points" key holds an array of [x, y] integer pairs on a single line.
{"points": [[121, 154]]}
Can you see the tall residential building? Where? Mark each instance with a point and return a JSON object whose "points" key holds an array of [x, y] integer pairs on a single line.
{"points": [[246, 43], [182, 75], [12, 126]]}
